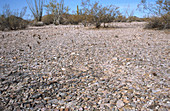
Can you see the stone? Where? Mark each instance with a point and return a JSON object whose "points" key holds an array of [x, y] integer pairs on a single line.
{"points": [[114, 58], [47, 98], [63, 69], [53, 101], [71, 104], [65, 66], [36, 96], [119, 104], [61, 102]]}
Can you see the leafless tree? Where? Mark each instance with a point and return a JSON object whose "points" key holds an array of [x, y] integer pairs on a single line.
{"points": [[36, 8]]}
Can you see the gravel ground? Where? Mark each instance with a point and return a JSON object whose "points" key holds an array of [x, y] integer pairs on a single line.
{"points": [[69, 68]]}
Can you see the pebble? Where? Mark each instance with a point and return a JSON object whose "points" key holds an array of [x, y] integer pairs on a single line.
{"points": [[83, 69], [53, 101], [119, 103]]}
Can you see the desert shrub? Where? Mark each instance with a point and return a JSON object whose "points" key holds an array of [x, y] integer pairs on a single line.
{"points": [[63, 21], [146, 19], [48, 19], [161, 11], [166, 20], [16, 23], [58, 9], [75, 19], [154, 23], [96, 14], [12, 20], [120, 18], [3, 23], [12, 23], [134, 18], [159, 22]]}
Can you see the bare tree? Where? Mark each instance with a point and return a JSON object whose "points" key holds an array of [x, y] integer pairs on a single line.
{"points": [[36, 8]]}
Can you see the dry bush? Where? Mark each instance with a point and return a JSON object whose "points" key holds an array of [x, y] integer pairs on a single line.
{"points": [[48, 19], [120, 18], [134, 18], [161, 11], [12, 23], [3, 23], [97, 14], [12, 20], [146, 19], [159, 22], [58, 9], [16, 23], [154, 23], [75, 19], [63, 21]]}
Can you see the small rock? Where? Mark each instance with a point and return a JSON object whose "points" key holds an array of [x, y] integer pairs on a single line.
{"points": [[61, 102], [62, 94], [36, 96], [71, 104], [119, 103], [114, 58], [63, 69], [53, 101], [116, 36], [47, 98]]}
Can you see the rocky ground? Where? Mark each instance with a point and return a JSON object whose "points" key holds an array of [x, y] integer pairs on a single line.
{"points": [[75, 68]]}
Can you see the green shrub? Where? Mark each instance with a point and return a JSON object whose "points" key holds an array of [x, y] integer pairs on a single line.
{"points": [[48, 19]]}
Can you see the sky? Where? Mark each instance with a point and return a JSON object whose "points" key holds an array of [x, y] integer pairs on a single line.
{"points": [[130, 5]]}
